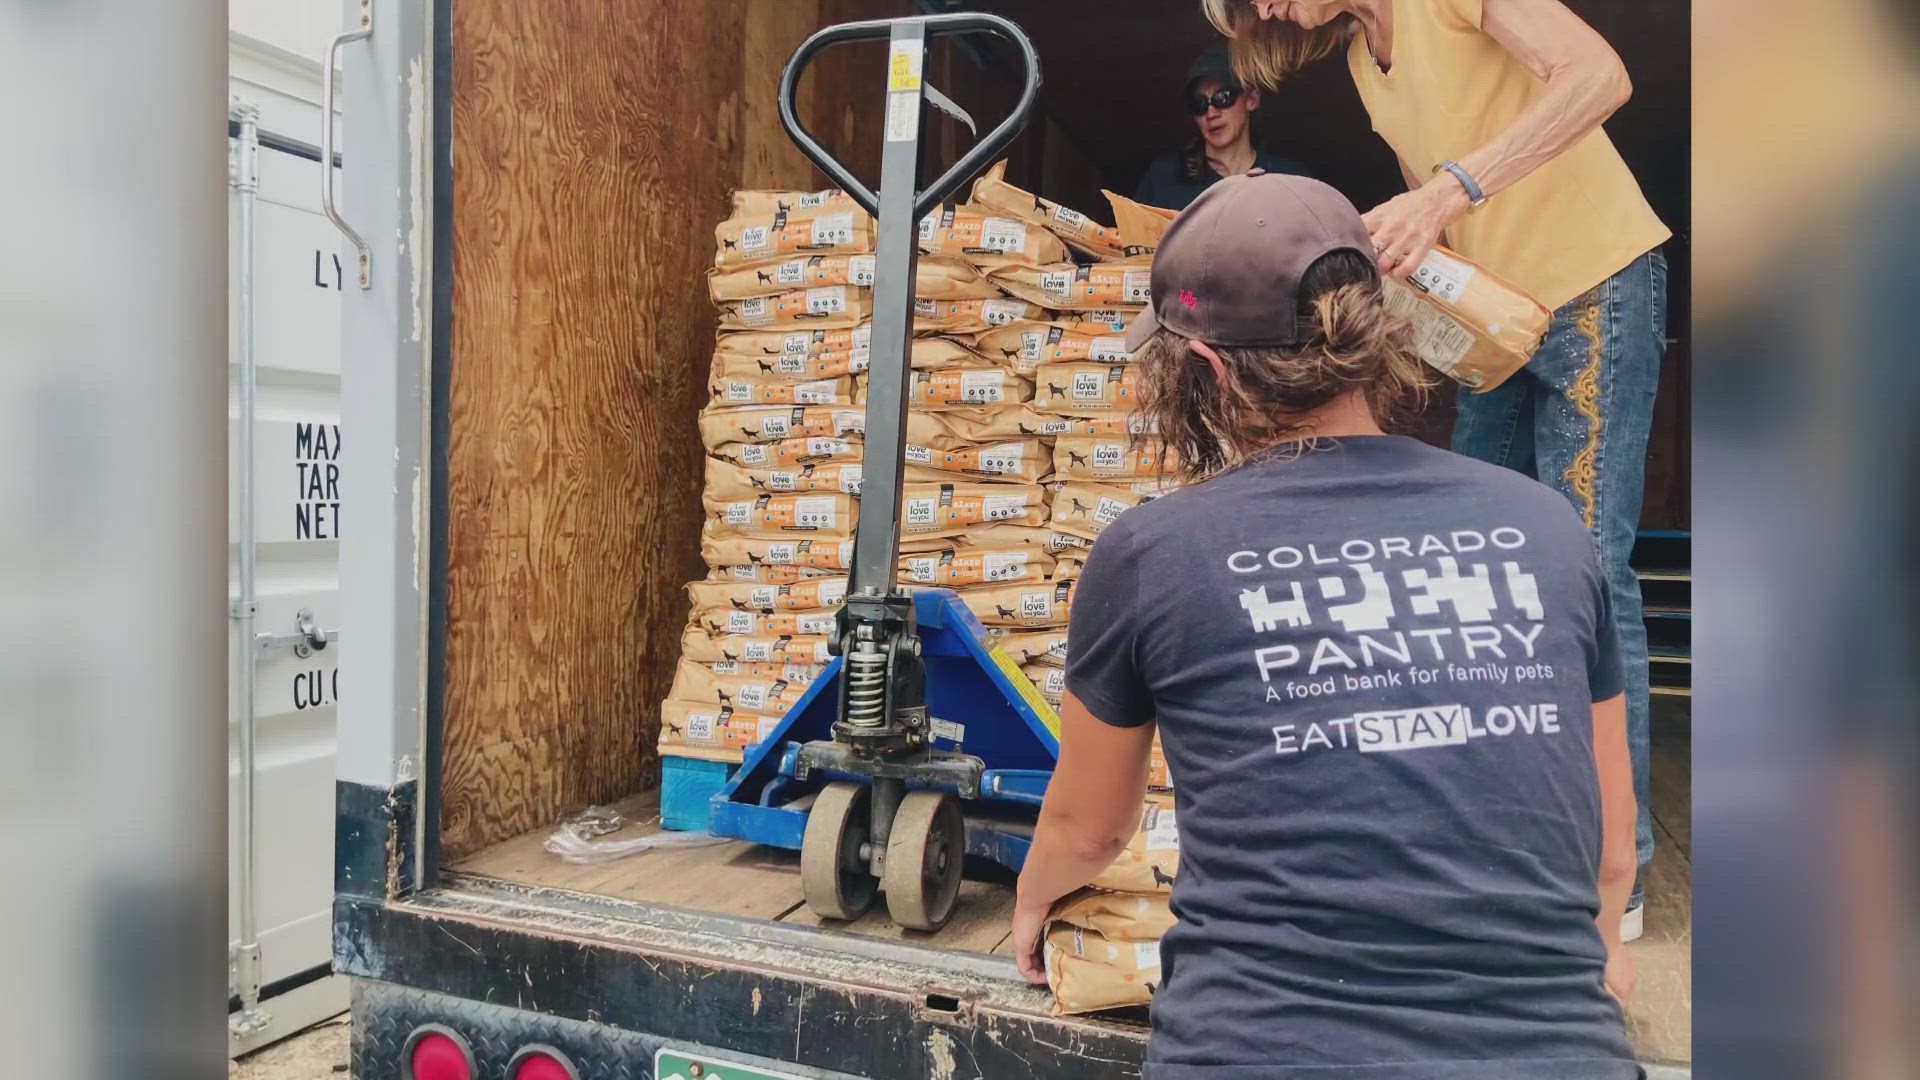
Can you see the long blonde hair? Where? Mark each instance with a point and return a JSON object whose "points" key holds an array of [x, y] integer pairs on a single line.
{"points": [[1267, 51]]}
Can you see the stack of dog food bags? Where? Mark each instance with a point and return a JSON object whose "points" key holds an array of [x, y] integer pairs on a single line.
{"points": [[1001, 311], [1102, 947]]}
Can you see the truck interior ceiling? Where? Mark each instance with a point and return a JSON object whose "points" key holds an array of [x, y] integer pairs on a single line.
{"points": [[593, 146]]}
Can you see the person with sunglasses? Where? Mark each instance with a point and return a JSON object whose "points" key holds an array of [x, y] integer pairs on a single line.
{"points": [[1222, 110]]}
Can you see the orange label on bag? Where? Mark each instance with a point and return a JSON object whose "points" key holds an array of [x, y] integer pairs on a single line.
{"points": [[745, 240], [956, 567], [961, 386], [790, 513]]}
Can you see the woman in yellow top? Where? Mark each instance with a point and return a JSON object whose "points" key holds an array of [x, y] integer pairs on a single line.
{"points": [[1494, 109]]}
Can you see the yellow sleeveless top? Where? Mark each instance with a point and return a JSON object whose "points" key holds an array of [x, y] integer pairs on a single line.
{"points": [[1565, 227]]}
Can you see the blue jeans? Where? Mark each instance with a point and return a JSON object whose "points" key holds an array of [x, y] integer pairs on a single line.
{"points": [[1576, 418]]}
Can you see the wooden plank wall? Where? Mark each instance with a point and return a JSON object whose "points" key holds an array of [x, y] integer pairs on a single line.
{"points": [[595, 146]]}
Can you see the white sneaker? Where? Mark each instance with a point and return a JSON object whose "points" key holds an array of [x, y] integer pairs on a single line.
{"points": [[1634, 923]]}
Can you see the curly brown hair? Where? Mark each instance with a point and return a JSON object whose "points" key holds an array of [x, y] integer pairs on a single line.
{"points": [[1200, 427]]}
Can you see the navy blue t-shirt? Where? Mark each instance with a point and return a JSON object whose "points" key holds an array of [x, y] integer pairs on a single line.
{"points": [[1373, 667], [1163, 186]]}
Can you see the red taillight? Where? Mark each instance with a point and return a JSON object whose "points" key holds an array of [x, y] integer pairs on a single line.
{"points": [[541, 1063], [434, 1053]]}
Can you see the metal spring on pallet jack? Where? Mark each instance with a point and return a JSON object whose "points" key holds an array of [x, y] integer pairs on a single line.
{"points": [[866, 686]]}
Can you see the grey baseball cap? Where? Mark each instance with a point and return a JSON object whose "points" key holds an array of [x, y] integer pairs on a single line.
{"points": [[1228, 270]]}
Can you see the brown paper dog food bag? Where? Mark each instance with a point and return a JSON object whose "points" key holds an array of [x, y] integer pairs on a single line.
{"points": [[1157, 774], [733, 483], [772, 517], [986, 238], [1077, 389], [1108, 458], [1080, 232], [714, 732], [792, 453], [966, 426], [948, 509], [827, 306], [957, 567], [753, 203], [763, 237], [824, 554], [769, 697], [940, 279], [1022, 460], [1069, 565], [1087, 973], [967, 388], [1152, 857], [1116, 916], [1085, 509], [1469, 324], [1021, 605], [1049, 680], [1037, 647], [1067, 287], [731, 622], [703, 648], [740, 391], [1140, 226], [768, 574], [961, 317], [726, 596], [1025, 346], [776, 423]]}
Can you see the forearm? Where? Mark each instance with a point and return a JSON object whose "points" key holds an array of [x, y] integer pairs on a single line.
{"points": [[1585, 84], [1618, 869], [1572, 106], [1064, 857]]}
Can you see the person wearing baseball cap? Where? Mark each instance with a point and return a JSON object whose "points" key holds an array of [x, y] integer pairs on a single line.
{"points": [[1385, 679], [1222, 111]]}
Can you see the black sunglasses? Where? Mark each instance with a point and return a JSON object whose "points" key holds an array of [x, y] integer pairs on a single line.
{"points": [[1222, 98]]}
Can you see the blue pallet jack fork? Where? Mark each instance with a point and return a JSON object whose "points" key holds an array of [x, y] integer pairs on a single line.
{"points": [[919, 744]]}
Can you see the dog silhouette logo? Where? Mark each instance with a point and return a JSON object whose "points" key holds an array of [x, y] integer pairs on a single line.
{"points": [[765, 278], [1055, 390], [765, 368], [727, 244], [1005, 613], [727, 699], [1161, 879], [1078, 507], [1076, 459]]}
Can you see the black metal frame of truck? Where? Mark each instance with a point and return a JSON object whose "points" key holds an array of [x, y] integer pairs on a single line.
{"points": [[607, 982]]}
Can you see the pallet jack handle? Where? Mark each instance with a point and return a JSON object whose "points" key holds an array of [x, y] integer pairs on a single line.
{"points": [[915, 30]]}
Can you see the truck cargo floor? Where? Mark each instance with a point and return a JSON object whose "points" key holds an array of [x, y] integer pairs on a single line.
{"points": [[746, 880], [731, 878]]}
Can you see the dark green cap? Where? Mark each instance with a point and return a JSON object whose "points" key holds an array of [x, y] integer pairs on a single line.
{"points": [[1214, 63]]}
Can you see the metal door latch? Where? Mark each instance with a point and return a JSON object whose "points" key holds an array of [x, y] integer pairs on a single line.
{"points": [[308, 638]]}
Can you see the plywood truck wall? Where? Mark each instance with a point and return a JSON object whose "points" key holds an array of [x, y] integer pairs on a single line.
{"points": [[595, 145]]}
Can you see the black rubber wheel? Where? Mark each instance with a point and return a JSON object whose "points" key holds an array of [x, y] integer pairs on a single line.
{"points": [[926, 851], [833, 875]]}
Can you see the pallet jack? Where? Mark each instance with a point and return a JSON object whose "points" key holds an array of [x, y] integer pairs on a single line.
{"points": [[919, 744]]}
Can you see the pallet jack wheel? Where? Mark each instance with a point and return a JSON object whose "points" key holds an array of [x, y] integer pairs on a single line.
{"points": [[926, 852], [833, 873]]}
